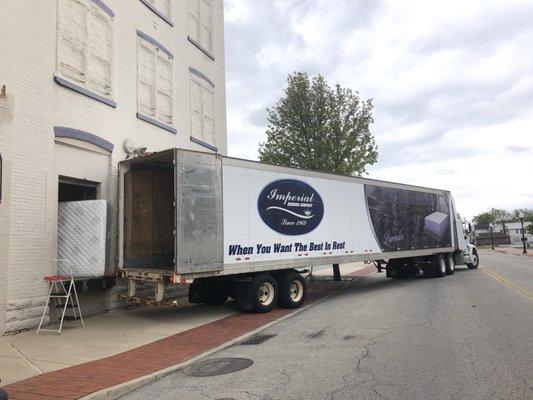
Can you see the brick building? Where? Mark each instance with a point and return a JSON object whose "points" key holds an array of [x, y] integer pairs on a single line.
{"points": [[78, 78]]}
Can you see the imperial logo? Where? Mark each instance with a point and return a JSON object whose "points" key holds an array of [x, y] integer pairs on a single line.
{"points": [[290, 207]]}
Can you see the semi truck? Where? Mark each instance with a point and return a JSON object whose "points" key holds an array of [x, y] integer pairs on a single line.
{"points": [[229, 227]]}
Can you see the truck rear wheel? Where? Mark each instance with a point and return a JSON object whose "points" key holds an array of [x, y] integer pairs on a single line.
{"points": [[440, 266], [292, 290], [264, 293], [450, 264]]}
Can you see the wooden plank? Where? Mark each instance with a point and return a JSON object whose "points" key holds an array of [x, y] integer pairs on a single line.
{"points": [[142, 213], [163, 213]]}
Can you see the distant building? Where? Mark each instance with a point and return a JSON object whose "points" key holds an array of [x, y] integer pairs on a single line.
{"points": [[513, 229], [502, 231], [499, 239]]}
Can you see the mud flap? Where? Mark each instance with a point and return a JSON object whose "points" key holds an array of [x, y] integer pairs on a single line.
{"points": [[243, 293], [195, 292]]}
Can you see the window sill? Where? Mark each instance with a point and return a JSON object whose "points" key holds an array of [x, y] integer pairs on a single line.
{"points": [[158, 13], [200, 47], [86, 92], [202, 143], [157, 123]]}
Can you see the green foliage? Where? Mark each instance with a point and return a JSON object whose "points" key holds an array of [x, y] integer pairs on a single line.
{"points": [[316, 127], [496, 216], [484, 219], [529, 229], [528, 214]]}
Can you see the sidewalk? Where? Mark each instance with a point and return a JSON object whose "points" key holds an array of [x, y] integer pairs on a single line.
{"points": [[514, 251], [118, 347]]}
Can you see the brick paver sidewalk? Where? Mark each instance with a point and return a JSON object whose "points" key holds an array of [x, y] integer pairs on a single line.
{"points": [[84, 379]]}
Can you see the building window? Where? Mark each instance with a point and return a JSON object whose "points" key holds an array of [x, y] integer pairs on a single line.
{"points": [[202, 108], [201, 25], [163, 8], [85, 48], [155, 89]]}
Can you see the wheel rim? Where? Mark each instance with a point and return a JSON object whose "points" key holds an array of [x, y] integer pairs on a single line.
{"points": [[296, 290], [266, 293], [474, 259], [452, 263], [442, 264]]}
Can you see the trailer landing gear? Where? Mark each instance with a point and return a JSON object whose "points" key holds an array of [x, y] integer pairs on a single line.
{"points": [[379, 265]]}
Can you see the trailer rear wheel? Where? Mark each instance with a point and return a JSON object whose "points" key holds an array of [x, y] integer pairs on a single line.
{"points": [[440, 266], [264, 293], [450, 264], [292, 290]]}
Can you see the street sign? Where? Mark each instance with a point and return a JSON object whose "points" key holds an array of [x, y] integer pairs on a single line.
{"points": [[523, 239]]}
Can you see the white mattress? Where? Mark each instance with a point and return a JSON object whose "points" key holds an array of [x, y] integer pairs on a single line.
{"points": [[82, 237]]}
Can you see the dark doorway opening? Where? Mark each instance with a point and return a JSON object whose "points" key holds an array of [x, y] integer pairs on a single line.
{"points": [[74, 190]]}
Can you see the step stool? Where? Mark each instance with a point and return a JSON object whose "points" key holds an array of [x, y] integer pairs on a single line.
{"points": [[58, 292]]}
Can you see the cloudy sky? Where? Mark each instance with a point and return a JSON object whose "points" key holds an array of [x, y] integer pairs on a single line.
{"points": [[452, 82]]}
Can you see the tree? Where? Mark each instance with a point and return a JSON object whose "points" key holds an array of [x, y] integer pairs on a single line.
{"points": [[528, 217], [494, 216], [528, 214], [316, 127], [484, 219]]}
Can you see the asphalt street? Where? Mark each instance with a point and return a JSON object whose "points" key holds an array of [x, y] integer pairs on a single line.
{"points": [[466, 336]]}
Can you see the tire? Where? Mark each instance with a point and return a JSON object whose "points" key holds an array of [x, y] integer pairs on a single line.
{"points": [[292, 290], [440, 266], [264, 292], [450, 264], [475, 261]]}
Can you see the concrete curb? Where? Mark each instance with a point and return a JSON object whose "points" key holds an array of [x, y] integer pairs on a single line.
{"points": [[117, 391]]}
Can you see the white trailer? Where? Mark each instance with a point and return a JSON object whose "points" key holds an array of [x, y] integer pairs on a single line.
{"points": [[232, 227]]}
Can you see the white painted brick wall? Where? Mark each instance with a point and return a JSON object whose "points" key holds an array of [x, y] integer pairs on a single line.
{"points": [[36, 104]]}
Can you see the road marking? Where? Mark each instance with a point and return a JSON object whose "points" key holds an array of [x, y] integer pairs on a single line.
{"points": [[501, 279]]}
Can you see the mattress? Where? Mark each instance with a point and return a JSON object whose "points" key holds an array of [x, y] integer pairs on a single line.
{"points": [[82, 231]]}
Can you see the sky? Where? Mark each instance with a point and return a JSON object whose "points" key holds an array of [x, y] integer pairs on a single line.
{"points": [[451, 81]]}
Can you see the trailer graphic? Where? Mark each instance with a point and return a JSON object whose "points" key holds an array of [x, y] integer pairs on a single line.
{"points": [[408, 220], [231, 227], [290, 207]]}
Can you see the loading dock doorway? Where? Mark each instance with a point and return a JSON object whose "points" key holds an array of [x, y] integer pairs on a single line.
{"points": [[76, 190], [82, 173]]}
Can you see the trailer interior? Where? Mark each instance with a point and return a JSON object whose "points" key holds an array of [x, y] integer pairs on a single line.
{"points": [[149, 213]]}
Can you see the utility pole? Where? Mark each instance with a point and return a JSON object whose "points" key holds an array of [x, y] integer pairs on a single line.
{"points": [[521, 216]]}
